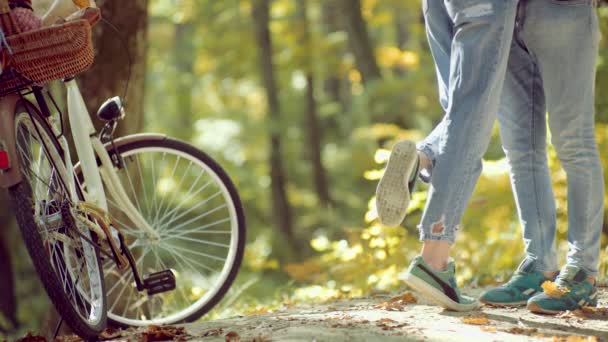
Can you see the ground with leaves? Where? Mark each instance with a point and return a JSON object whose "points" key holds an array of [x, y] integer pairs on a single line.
{"points": [[405, 317]]}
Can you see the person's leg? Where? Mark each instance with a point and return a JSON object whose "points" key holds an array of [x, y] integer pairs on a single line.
{"points": [[523, 130], [565, 39], [482, 35], [395, 187], [483, 31], [439, 33], [522, 123]]}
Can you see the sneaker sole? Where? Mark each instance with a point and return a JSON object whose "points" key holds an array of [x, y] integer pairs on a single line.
{"points": [[437, 296], [533, 307], [392, 194], [502, 304]]}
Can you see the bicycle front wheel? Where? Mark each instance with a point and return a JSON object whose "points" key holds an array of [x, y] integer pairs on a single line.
{"points": [[199, 227]]}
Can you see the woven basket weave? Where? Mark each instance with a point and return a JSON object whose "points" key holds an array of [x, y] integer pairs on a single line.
{"points": [[43, 55]]}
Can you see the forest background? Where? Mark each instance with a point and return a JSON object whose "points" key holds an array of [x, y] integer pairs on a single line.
{"points": [[300, 101]]}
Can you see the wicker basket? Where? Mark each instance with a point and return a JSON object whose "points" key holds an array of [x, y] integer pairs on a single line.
{"points": [[43, 55]]}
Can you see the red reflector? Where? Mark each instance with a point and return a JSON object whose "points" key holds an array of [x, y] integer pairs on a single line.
{"points": [[4, 162]]}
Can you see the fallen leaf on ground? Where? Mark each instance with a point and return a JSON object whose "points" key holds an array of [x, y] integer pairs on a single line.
{"points": [[259, 311], [164, 333], [489, 329], [522, 331], [576, 314], [386, 320], [398, 302], [110, 333], [233, 337], [574, 339], [476, 320], [554, 291], [32, 338], [594, 312], [213, 332], [68, 338]]}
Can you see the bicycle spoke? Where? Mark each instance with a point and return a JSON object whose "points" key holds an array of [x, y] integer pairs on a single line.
{"points": [[196, 230], [209, 256], [194, 219], [132, 187], [190, 263], [158, 208], [197, 240], [154, 189], [172, 212], [179, 185], [126, 285], [194, 208], [142, 179]]}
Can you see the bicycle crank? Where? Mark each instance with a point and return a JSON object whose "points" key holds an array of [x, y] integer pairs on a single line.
{"points": [[101, 223], [154, 283]]}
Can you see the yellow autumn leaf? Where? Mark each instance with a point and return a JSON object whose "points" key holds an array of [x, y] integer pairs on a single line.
{"points": [[397, 303], [476, 320], [259, 311], [554, 291], [81, 3]]}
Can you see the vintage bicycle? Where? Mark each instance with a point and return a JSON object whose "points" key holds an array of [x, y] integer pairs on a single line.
{"points": [[144, 229]]}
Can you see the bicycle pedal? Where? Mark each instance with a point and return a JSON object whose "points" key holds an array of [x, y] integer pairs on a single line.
{"points": [[159, 282]]}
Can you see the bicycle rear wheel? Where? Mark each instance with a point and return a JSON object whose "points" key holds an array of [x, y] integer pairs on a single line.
{"points": [[190, 202], [68, 265]]}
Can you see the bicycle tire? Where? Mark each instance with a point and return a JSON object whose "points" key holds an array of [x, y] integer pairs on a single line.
{"points": [[166, 145], [22, 199]]}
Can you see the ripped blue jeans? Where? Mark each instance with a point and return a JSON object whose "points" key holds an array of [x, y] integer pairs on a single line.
{"points": [[470, 42]]}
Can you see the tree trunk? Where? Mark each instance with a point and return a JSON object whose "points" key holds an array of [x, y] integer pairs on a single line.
{"points": [[331, 19], [183, 56], [108, 76], [313, 128], [359, 40], [281, 209]]}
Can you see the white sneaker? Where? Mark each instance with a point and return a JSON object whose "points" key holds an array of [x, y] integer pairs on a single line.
{"points": [[394, 192]]}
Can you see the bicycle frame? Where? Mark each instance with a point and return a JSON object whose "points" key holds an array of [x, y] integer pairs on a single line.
{"points": [[89, 149]]}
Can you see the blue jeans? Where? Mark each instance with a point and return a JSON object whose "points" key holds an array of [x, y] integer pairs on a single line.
{"points": [[470, 42], [551, 67]]}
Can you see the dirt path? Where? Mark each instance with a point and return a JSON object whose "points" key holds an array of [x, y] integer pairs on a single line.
{"points": [[366, 320], [398, 318]]}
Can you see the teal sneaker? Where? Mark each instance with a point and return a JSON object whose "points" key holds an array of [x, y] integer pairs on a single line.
{"points": [[572, 291], [394, 189], [524, 284], [439, 287]]}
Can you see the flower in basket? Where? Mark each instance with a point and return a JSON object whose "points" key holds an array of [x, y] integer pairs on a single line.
{"points": [[24, 15]]}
